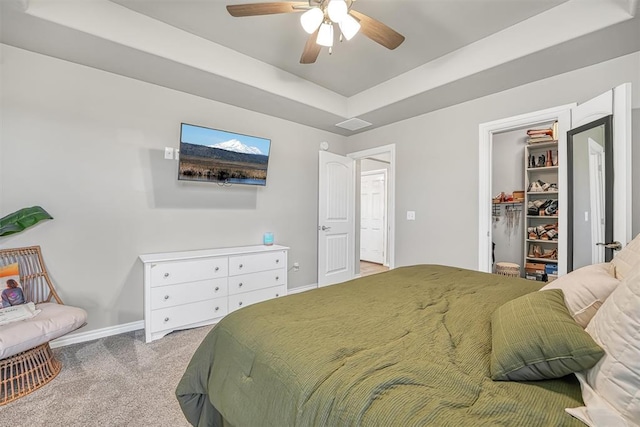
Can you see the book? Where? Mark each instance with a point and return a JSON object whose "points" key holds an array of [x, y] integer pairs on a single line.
{"points": [[534, 140], [540, 132]]}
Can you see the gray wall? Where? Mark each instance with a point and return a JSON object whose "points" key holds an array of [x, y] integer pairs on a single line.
{"points": [[88, 146], [437, 159]]}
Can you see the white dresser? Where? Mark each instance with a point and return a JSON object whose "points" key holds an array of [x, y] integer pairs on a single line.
{"points": [[195, 288]]}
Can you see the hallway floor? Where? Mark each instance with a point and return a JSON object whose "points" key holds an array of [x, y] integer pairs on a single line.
{"points": [[368, 268]]}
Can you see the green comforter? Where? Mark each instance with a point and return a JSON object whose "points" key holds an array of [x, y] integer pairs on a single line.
{"points": [[409, 347]]}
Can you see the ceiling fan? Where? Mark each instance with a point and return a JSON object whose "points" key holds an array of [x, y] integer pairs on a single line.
{"points": [[318, 20]]}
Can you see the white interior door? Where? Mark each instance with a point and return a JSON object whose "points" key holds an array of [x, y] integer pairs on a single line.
{"points": [[336, 218], [617, 102], [373, 208]]}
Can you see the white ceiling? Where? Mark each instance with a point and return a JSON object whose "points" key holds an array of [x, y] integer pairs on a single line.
{"points": [[455, 50]]}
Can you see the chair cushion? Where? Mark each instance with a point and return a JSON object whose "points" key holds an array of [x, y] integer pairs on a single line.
{"points": [[53, 321]]}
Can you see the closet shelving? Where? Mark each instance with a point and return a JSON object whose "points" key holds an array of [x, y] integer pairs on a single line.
{"points": [[541, 230]]}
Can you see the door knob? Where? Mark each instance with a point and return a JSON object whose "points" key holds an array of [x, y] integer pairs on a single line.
{"points": [[616, 246], [325, 228]]}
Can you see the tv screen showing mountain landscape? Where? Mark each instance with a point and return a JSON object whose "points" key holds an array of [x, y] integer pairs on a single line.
{"points": [[213, 155]]}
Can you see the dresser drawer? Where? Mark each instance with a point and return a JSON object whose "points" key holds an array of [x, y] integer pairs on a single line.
{"points": [[242, 264], [168, 273], [184, 293], [182, 315], [247, 298], [256, 281]]}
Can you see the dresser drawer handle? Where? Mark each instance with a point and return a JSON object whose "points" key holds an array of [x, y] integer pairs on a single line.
{"points": [[166, 297], [216, 269], [166, 319], [217, 289], [277, 277], [216, 309], [240, 303], [277, 295], [240, 284], [166, 275], [240, 266], [277, 261]]}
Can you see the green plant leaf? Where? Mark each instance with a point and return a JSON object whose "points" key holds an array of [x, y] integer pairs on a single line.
{"points": [[22, 219]]}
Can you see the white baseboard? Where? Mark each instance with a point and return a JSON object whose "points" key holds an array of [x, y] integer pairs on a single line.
{"points": [[97, 333], [81, 337], [299, 289]]}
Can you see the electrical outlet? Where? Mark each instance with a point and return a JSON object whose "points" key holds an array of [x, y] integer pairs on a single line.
{"points": [[168, 153], [296, 266], [411, 215]]}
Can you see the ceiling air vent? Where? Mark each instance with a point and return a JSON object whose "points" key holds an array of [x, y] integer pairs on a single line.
{"points": [[353, 124]]}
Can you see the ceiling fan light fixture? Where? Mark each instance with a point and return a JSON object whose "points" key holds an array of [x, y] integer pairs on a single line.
{"points": [[325, 35], [337, 10], [311, 20], [349, 27]]}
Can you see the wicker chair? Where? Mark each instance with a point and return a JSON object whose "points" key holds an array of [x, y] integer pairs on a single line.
{"points": [[30, 369]]}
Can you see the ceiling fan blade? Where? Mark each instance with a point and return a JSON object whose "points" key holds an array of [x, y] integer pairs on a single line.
{"points": [[377, 31], [254, 9], [311, 49]]}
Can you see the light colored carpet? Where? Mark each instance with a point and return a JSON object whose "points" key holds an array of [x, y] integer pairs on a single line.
{"points": [[113, 381]]}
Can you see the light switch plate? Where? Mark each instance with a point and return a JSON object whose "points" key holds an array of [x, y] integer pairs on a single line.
{"points": [[411, 215], [168, 153]]}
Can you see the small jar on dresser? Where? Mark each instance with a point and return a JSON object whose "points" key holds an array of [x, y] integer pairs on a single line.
{"points": [[195, 288]]}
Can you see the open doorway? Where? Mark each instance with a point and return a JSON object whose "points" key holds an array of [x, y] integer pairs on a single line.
{"points": [[374, 210]]}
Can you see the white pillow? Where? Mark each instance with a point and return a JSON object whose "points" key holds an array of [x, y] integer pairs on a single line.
{"points": [[611, 389], [17, 312], [628, 257], [585, 289]]}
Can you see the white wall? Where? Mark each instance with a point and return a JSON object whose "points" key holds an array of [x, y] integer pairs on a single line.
{"points": [[88, 147], [437, 159]]}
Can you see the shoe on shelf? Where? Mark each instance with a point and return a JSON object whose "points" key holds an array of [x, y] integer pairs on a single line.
{"points": [[543, 207], [534, 206], [537, 252], [551, 226], [552, 234], [552, 208], [534, 187], [533, 233], [543, 185], [552, 254]]}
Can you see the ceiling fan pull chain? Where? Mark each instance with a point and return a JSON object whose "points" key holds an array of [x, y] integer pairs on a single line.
{"points": [[340, 38], [330, 50]]}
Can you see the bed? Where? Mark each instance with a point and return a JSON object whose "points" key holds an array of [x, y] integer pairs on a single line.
{"points": [[409, 347]]}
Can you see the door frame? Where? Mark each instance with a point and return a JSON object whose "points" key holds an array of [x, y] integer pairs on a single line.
{"points": [[485, 136], [385, 231], [389, 149]]}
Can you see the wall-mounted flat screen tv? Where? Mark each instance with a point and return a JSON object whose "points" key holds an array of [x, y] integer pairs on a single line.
{"points": [[212, 155]]}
